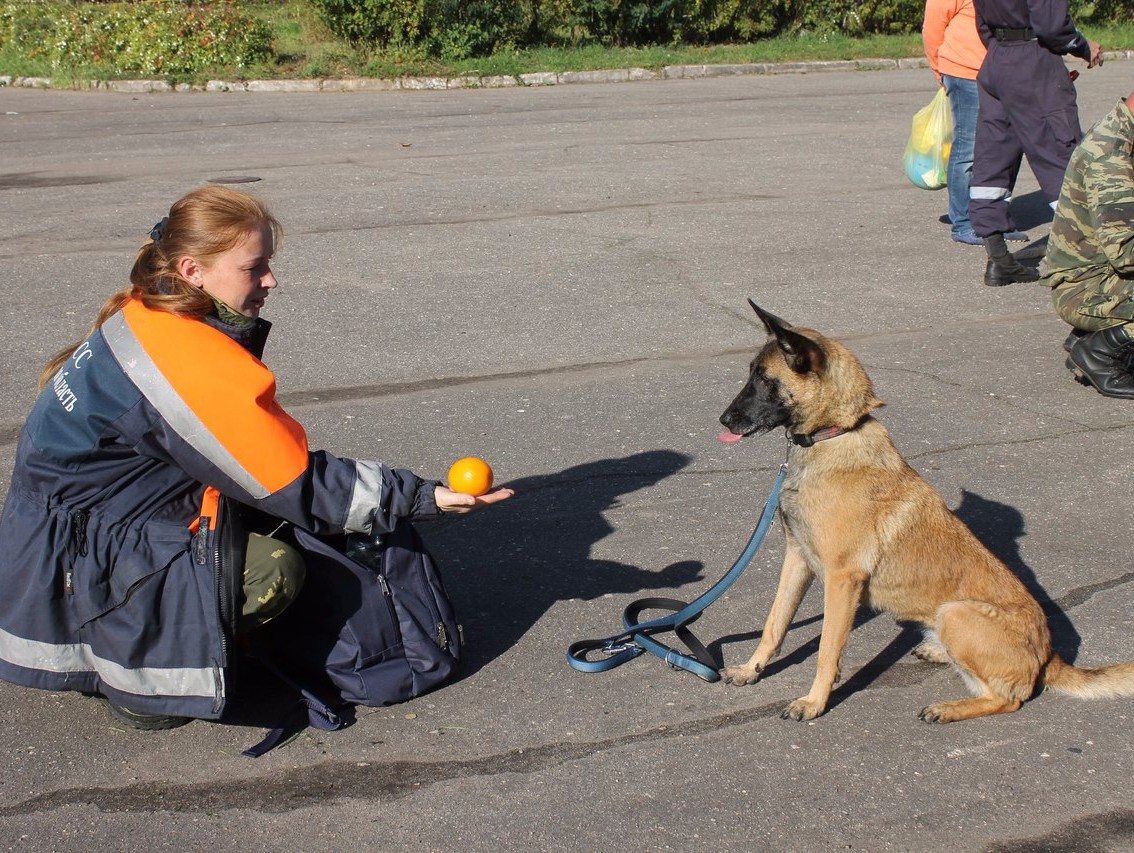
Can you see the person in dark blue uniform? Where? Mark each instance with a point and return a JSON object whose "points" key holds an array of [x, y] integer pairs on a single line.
{"points": [[1027, 106]]}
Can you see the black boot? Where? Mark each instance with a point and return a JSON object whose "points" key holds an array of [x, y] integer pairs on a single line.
{"points": [[1072, 338], [1003, 268], [1101, 359], [144, 722]]}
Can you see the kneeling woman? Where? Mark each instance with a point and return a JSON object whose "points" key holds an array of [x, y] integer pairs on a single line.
{"points": [[117, 517]]}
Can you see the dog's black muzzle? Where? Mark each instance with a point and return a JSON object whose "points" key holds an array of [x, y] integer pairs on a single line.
{"points": [[757, 408]]}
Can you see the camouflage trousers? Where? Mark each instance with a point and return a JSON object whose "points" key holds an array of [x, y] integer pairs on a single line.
{"points": [[273, 575], [1096, 305]]}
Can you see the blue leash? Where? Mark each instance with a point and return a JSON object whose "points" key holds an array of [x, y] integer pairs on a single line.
{"points": [[638, 636]]}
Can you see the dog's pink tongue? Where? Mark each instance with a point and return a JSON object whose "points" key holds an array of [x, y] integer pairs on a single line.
{"points": [[729, 436]]}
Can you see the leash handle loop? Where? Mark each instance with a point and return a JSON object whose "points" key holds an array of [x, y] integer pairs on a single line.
{"points": [[618, 653], [638, 636]]}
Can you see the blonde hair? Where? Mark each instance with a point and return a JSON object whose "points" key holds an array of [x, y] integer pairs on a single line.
{"points": [[202, 224]]}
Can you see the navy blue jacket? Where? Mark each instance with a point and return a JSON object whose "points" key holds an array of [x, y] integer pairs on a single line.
{"points": [[119, 568]]}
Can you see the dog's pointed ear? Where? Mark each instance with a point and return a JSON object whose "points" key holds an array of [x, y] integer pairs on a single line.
{"points": [[803, 354], [771, 322]]}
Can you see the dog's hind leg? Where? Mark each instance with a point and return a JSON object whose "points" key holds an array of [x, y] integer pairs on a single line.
{"points": [[997, 662], [841, 593], [966, 709], [795, 580], [930, 649]]}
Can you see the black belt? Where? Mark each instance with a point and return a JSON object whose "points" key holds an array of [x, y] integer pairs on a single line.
{"points": [[1010, 34]]}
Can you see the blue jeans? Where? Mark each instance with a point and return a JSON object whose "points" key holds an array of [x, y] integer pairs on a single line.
{"points": [[965, 104]]}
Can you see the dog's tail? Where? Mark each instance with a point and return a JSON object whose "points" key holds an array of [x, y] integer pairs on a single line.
{"points": [[1095, 682]]}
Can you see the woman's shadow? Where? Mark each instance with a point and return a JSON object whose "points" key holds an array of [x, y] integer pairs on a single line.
{"points": [[503, 567], [506, 565]]}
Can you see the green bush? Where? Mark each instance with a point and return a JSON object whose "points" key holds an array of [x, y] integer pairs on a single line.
{"points": [[719, 21], [452, 29], [859, 17], [390, 23], [448, 29], [465, 28], [188, 39], [26, 26], [1103, 11], [148, 37], [628, 22]]}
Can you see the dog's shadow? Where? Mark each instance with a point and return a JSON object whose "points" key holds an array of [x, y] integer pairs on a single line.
{"points": [[908, 637], [999, 527]]}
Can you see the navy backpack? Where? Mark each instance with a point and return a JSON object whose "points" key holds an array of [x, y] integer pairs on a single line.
{"points": [[378, 622], [372, 619]]}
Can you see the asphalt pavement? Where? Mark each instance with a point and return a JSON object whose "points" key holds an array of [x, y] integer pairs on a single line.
{"points": [[555, 278]]}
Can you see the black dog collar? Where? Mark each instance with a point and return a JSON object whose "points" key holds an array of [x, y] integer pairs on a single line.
{"points": [[804, 439]]}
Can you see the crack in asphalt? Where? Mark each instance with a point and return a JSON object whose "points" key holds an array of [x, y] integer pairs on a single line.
{"points": [[329, 782], [1082, 594], [37, 181], [527, 215], [352, 393], [537, 213], [319, 784], [10, 431]]}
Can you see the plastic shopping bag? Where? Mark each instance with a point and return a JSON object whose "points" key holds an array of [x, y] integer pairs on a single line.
{"points": [[927, 152]]}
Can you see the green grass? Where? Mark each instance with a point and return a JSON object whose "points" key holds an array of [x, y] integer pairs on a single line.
{"points": [[304, 48], [654, 58]]}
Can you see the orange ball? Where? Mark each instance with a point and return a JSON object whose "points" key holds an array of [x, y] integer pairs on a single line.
{"points": [[470, 475]]}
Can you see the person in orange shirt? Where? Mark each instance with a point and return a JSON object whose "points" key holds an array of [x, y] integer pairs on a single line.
{"points": [[955, 53]]}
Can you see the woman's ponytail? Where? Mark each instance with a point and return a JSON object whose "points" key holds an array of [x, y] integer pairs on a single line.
{"points": [[202, 224]]}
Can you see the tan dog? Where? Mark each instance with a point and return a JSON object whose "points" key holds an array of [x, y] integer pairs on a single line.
{"points": [[857, 516]]}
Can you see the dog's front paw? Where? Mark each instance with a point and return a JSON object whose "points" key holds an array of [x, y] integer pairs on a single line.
{"points": [[741, 675], [802, 709]]}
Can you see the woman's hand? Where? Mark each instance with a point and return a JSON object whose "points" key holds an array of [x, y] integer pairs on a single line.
{"points": [[450, 501]]}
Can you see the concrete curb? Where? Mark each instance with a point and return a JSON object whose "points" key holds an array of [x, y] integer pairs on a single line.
{"points": [[539, 78]]}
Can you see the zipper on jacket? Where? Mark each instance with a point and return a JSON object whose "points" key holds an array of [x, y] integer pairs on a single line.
{"points": [[218, 577], [228, 566], [201, 541], [79, 546], [215, 560]]}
